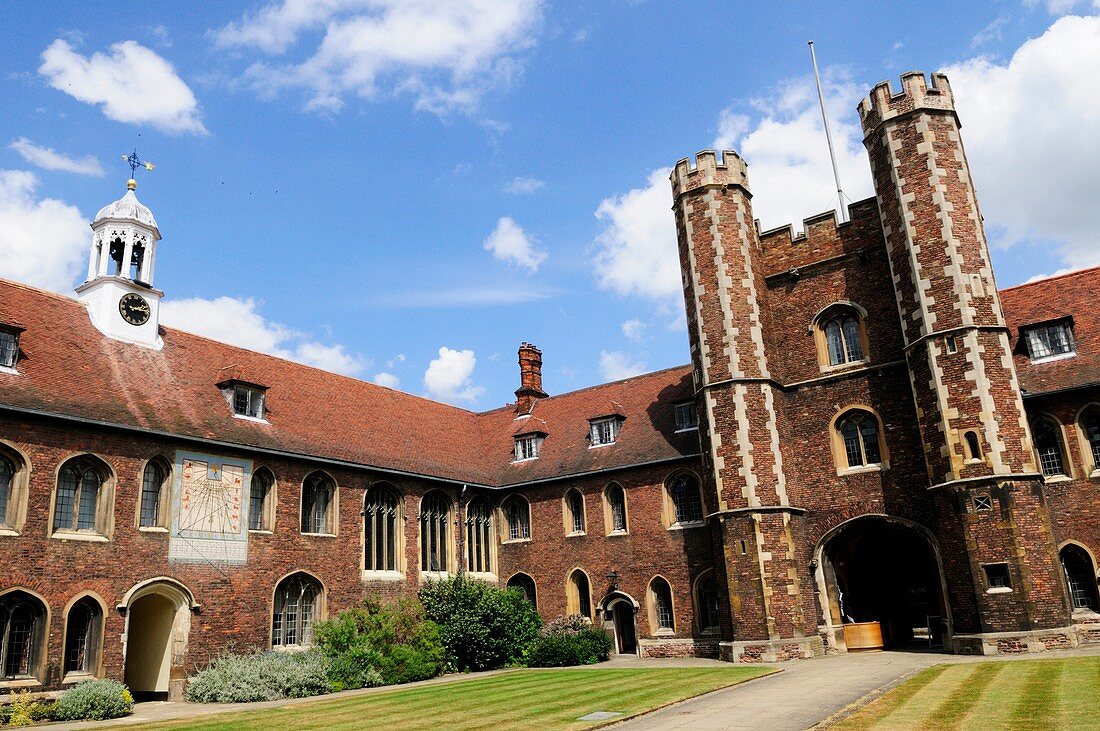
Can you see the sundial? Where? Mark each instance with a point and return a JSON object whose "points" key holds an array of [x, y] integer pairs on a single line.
{"points": [[210, 497]]}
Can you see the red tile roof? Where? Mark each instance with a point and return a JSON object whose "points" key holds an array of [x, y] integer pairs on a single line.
{"points": [[1072, 295], [68, 368]]}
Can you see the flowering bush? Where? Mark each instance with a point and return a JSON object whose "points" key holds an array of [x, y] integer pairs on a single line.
{"points": [[569, 640], [94, 700]]}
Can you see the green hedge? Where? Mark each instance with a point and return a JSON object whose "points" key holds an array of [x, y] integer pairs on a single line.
{"points": [[94, 700], [482, 626], [376, 644], [569, 641], [261, 676]]}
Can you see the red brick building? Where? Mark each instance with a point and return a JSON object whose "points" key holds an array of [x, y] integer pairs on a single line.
{"points": [[871, 441]]}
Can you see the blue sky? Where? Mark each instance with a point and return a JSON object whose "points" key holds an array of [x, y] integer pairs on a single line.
{"points": [[405, 191]]}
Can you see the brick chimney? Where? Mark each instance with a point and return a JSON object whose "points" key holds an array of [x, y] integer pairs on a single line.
{"points": [[530, 378]]}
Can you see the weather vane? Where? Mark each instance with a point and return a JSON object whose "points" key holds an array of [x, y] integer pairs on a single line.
{"points": [[136, 162]]}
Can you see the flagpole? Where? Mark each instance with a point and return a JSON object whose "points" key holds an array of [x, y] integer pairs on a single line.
{"points": [[842, 207]]}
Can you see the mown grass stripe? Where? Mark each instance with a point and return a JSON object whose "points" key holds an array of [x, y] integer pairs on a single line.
{"points": [[1039, 696], [952, 712], [893, 700]]}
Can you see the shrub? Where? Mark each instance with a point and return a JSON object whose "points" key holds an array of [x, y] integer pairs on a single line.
{"points": [[378, 644], [94, 700], [481, 626], [262, 676], [569, 640]]}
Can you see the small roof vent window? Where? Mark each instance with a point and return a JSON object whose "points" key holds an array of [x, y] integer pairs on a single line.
{"points": [[1050, 340], [604, 430], [245, 399], [9, 345]]}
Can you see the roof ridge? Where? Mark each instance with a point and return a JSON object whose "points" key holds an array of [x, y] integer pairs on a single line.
{"points": [[592, 387], [1053, 277]]}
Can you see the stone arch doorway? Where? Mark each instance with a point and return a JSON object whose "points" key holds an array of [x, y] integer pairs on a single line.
{"points": [[880, 574], [158, 620], [620, 613]]}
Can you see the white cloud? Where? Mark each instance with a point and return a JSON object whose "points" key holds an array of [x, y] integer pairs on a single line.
{"points": [[510, 243], [387, 379], [636, 252], [1031, 126], [1061, 7], [524, 186], [44, 242], [446, 55], [448, 376], [782, 138], [239, 322], [395, 360], [50, 159], [132, 83], [633, 330], [992, 32], [616, 365]]}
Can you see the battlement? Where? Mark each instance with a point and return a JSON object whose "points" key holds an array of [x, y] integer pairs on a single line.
{"points": [[709, 170], [821, 239], [915, 93]]}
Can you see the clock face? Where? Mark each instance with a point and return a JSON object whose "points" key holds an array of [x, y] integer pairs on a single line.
{"points": [[134, 309]]}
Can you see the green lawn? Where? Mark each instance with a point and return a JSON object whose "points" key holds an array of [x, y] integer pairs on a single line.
{"points": [[1033, 694], [546, 699]]}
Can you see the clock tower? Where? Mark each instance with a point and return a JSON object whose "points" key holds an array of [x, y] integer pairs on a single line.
{"points": [[119, 291]]}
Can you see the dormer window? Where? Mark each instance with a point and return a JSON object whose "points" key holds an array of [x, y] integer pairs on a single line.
{"points": [[527, 447], [9, 346], [1050, 341], [245, 399], [605, 430], [686, 416]]}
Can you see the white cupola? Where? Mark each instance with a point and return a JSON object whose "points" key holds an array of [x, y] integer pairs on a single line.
{"points": [[119, 291]]}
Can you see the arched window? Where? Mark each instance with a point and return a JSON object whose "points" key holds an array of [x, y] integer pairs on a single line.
{"points": [[1080, 577], [435, 521], [517, 514], [1048, 444], [578, 595], [22, 634], [7, 477], [479, 531], [660, 601], [615, 499], [318, 493], [526, 584], [154, 495], [381, 538], [860, 438], [574, 512], [261, 500], [1090, 423], [81, 503], [706, 603], [840, 336], [687, 503], [83, 635], [298, 603], [973, 446]]}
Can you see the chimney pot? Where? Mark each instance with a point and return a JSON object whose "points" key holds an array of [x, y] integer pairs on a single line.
{"points": [[530, 378]]}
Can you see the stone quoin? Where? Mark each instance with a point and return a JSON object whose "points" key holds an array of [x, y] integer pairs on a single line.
{"points": [[872, 446]]}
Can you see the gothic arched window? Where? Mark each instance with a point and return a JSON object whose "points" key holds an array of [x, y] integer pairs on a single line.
{"points": [[706, 603], [525, 584], [615, 499], [1090, 424], [435, 521], [660, 597], [382, 529], [1048, 445], [298, 604], [22, 635], [479, 532], [154, 495], [83, 635], [83, 501], [687, 503], [860, 439], [7, 477], [517, 514], [840, 336], [318, 512], [1080, 577], [574, 512], [578, 594], [261, 500]]}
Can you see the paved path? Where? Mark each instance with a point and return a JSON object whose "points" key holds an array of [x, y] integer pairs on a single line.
{"points": [[803, 694]]}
